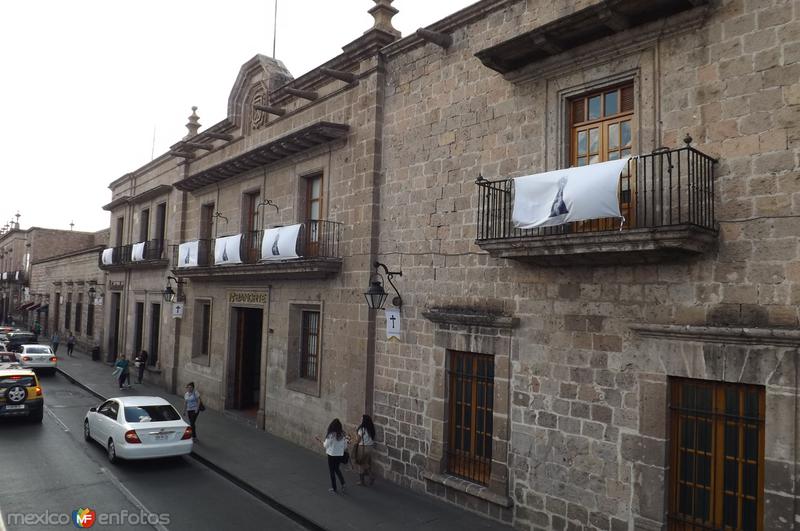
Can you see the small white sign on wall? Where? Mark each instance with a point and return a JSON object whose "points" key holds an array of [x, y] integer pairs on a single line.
{"points": [[177, 310], [393, 327]]}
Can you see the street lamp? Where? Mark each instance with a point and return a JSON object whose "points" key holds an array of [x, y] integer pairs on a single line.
{"points": [[375, 294], [93, 290], [170, 294]]}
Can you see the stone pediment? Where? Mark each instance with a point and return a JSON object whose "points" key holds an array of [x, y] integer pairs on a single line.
{"points": [[257, 77]]}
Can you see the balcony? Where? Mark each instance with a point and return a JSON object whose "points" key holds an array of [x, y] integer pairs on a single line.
{"points": [[122, 257], [667, 198], [14, 277], [317, 249]]}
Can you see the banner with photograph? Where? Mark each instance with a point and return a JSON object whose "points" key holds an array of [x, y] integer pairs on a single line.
{"points": [[280, 243], [187, 253], [572, 194], [137, 252], [226, 250]]}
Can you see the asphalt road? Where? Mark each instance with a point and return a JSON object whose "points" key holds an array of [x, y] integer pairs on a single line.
{"points": [[48, 470]]}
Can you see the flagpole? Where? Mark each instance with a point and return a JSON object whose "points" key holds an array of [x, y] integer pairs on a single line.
{"points": [[274, 29]]}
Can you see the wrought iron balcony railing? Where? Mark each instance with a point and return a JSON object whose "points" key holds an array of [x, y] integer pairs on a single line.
{"points": [[664, 188], [669, 190], [122, 255], [316, 239]]}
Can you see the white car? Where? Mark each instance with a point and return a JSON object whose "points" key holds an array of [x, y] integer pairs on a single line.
{"points": [[37, 357], [138, 427]]}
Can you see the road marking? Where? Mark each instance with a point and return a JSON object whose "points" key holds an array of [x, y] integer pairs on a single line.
{"points": [[2, 521], [63, 426], [131, 497]]}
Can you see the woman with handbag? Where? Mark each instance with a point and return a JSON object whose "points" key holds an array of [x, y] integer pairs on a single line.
{"points": [[335, 444], [365, 441]]}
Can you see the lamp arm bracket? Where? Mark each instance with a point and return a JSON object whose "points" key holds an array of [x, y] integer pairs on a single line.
{"points": [[397, 301]]}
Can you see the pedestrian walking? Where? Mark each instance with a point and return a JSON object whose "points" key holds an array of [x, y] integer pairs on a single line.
{"points": [[335, 444], [365, 441], [54, 341], [70, 344], [122, 367], [140, 362], [192, 407]]}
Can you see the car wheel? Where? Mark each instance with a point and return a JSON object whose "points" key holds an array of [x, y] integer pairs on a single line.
{"points": [[86, 435], [112, 452], [16, 394], [37, 416]]}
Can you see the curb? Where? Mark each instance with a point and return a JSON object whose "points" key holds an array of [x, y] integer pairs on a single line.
{"points": [[236, 480]]}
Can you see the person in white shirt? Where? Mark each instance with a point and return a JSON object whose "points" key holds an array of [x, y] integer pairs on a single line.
{"points": [[365, 441], [335, 444]]}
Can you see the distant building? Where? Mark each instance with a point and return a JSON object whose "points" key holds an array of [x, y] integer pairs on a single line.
{"points": [[66, 288], [25, 300], [636, 373]]}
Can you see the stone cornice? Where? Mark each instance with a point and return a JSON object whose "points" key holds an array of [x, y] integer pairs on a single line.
{"points": [[470, 317], [780, 337], [457, 20]]}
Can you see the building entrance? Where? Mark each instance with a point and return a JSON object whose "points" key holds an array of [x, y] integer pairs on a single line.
{"points": [[246, 360]]}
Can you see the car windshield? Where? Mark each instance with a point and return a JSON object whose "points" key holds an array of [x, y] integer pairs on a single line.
{"points": [[37, 350], [9, 381], [151, 413]]}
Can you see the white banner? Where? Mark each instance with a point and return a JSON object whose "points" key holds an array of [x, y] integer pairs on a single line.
{"points": [[226, 250], [108, 257], [16, 275], [5, 275], [572, 194], [393, 328], [187, 254], [137, 252], [280, 243]]}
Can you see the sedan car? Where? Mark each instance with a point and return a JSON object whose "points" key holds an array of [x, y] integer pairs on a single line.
{"points": [[138, 427], [37, 357], [8, 357]]}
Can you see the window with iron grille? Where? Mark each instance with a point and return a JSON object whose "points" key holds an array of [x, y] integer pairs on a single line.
{"points": [[202, 331], [309, 344], [68, 312], [716, 456], [78, 313], [471, 407], [90, 317]]}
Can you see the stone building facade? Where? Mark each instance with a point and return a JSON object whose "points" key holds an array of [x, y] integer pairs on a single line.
{"points": [[603, 375], [20, 249], [597, 339], [60, 288]]}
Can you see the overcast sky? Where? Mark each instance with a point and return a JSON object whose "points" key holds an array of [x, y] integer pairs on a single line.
{"points": [[85, 83]]}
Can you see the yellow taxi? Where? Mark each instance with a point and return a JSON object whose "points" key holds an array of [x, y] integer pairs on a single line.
{"points": [[20, 393]]}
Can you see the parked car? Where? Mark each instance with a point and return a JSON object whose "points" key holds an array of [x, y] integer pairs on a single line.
{"points": [[138, 427], [8, 357], [3, 341], [17, 339], [37, 357], [20, 394], [7, 329]]}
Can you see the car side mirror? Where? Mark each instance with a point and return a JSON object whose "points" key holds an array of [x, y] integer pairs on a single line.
{"points": [[92, 409]]}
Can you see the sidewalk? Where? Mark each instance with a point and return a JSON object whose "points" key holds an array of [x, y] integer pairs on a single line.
{"points": [[286, 474]]}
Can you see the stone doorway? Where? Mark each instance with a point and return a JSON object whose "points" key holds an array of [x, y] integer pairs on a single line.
{"points": [[245, 360]]}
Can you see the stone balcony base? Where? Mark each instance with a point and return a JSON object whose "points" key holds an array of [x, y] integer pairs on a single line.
{"points": [[633, 246]]}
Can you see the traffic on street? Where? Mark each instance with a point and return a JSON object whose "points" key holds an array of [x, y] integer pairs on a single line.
{"points": [[53, 477]]}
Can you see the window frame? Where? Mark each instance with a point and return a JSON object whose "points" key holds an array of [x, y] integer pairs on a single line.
{"points": [[721, 419], [471, 464], [202, 331]]}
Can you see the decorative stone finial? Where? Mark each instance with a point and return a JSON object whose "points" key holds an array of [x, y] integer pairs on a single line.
{"points": [[383, 12], [194, 124]]}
